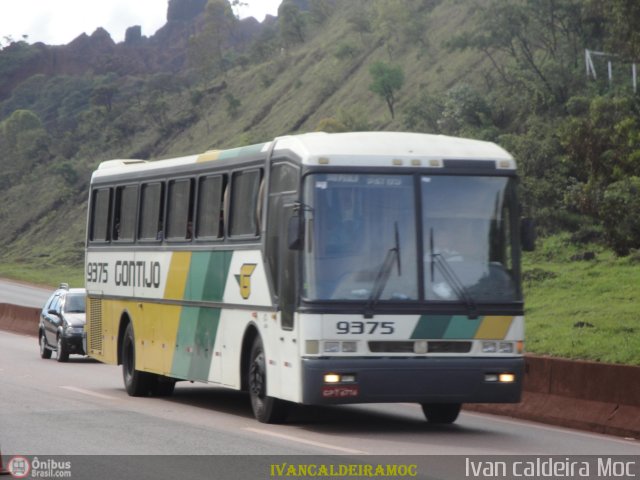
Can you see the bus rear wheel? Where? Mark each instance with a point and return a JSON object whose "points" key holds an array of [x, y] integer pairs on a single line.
{"points": [[441, 413], [265, 409], [137, 383]]}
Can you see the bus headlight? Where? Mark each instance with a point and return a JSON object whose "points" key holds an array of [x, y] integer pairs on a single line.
{"points": [[489, 347], [337, 347], [507, 378], [505, 347], [331, 378], [331, 347], [349, 347]]}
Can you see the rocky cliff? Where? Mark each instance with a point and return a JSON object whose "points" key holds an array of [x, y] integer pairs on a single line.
{"points": [[164, 51]]}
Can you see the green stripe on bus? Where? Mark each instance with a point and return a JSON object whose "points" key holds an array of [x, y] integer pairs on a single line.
{"points": [[185, 342], [241, 151], [196, 338], [431, 326], [208, 276], [462, 327], [445, 326]]}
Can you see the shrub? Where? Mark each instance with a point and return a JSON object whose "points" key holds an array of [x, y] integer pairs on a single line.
{"points": [[620, 214]]}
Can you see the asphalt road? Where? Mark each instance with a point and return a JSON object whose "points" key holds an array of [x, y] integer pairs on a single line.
{"points": [[23, 294], [80, 408]]}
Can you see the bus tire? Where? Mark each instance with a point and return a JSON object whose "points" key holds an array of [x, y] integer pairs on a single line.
{"points": [[441, 413], [265, 409], [137, 383]]}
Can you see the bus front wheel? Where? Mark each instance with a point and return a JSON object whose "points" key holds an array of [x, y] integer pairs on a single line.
{"points": [[137, 383], [441, 413], [265, 409]]}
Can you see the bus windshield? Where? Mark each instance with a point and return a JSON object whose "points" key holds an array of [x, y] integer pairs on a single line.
{"points": [[366, 232]]}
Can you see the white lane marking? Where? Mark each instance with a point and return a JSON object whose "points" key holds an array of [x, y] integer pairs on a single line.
{"points": [[308, 442], [88, 392]]}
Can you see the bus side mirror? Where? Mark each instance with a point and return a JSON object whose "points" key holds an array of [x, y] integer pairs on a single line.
{"points": [[528, 234], [295, 233]]}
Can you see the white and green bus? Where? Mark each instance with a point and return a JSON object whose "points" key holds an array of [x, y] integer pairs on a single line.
{"points": [[316, 269]]}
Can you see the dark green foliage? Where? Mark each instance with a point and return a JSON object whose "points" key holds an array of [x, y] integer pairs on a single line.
{"points": [[620, 211], [346, 51], [386, 81], [291, 23], [233, 105]]}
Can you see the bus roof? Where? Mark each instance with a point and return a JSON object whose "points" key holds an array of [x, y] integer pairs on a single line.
{"points": [[372, 149], [376, 148]]}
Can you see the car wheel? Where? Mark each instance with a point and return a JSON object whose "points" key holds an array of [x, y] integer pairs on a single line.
{"points": [[137, 383], [63, 352], [441, 413], [44, 351], [265, 409]]}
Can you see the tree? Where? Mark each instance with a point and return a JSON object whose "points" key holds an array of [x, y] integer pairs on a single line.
{"points": [[26, 139], [543, 42], [623, 35], [103, 95], [208, 49], [387, 80], [291, 23]]}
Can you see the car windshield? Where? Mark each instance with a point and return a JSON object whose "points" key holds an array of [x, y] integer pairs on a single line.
{"points": [[74, 303], [362, 244]]}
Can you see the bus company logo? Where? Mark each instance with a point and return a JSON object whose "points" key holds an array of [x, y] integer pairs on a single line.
{"points": [[19, 467], [244, 279]]}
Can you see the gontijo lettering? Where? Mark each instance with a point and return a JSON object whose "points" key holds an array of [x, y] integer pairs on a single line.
{"points": [[137, 274], [126, 273], [342, 470]]}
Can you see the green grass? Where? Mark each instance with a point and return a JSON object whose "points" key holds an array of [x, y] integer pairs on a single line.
{"points": [[582, 309], [43, 274]]}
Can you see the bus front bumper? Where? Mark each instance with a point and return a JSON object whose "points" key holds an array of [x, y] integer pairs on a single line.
{"points": [[419, 380]]}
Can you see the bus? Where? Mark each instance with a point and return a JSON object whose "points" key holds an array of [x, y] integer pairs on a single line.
{"points": [[313, 269]]}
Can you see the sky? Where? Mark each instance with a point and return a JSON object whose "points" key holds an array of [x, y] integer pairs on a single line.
{"points": [[58, 22]]}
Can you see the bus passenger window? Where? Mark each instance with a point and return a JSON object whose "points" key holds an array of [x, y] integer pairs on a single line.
{"points": [[126, 207], [244, 202], [100, 209], [180, 210], [151, 200], [210, 192]]}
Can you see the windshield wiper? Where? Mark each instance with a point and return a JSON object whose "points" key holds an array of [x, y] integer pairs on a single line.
{"points": [[452, 279], [393, 254]]}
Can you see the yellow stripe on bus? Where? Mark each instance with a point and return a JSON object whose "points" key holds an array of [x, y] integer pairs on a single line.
{"points": [[494, 327], [177, 278], [208, 156]]}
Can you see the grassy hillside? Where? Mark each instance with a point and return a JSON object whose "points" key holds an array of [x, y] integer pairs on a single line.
{"points": [[43, 205], [577, 308]]}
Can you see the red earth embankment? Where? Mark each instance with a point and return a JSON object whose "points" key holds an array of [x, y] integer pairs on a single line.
{"points": [[586, 395], [14, 318]]}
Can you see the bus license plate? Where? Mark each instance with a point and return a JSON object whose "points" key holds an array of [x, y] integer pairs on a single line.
{"points": [[340, 391]]}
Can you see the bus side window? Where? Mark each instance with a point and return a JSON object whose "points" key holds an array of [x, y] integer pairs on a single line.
{"points": [[151, 203], [209, 218], [180, 210], [126, 207], [100, 215], [245, 186]]}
